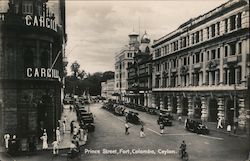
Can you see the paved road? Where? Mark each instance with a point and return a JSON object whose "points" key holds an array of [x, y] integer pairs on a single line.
{"points": [[109, 135]]}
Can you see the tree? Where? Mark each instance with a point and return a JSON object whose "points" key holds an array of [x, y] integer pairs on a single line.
{"points": [[75, 69], [82, 74]]}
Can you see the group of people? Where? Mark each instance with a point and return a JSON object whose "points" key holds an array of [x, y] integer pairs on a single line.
{"points": [[11, 144], [228, 127], [141, 134]]}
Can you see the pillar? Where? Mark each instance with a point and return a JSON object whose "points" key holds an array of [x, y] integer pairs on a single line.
{"points": [[221, 64], [190, 107], [204, 115], [242, 119], [179, 110], [169, 104], [161, 102], [153, 101], [221, 109]]}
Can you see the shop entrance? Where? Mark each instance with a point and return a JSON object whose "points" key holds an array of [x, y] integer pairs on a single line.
{"points": [[213, 110]]}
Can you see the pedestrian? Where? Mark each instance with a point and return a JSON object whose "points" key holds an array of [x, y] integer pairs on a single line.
{"points": [[44, 138], [71, 126], [6, 140], [126, 128], [58, 134], [219, 125], [70, 108], [55, 145], [14, 146], [235, 128], [64, 126], [229, 129], [179, 119], [142, 134], [161, 128], [75, 131]]}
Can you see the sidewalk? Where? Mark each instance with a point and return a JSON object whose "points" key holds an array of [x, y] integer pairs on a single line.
{"points": [[67, 136]]}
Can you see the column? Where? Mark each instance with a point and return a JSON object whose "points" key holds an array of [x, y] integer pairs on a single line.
{"points": [[242, 119], [153, 101], [169, 104], [221, 109], [179, 110], [210, 78], [221, 64], [228, 74], [161, 102], [244, 70], [190, 107], [190, 70], [204, 116], [215, 77], [149, 96]]}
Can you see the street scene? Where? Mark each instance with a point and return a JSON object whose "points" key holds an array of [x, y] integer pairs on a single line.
{"points": [[124, 81]]}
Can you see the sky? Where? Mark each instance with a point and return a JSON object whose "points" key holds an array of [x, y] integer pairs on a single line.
{"points": [[98, 29]]}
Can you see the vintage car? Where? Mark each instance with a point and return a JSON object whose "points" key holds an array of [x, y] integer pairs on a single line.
{"points": [[195, 125], [132, 117], [165, 120], [86, 117], [119, 110], [151, 111]]}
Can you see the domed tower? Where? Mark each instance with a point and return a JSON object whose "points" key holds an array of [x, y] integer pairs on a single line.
{"points": [[145, 43], [133, 39]]}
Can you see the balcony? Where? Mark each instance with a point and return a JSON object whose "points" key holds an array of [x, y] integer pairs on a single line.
{"points": [[232, 59], [197, 66], [173, 70], [200, 88]]}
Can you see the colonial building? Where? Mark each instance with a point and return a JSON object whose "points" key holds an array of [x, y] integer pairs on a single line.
{"points": [[139, 75], [200, 69], [122, 61], [108, 89], [32, 61]]}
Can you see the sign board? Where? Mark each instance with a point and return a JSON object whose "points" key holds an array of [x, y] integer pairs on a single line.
{"points": [[42, 73]]}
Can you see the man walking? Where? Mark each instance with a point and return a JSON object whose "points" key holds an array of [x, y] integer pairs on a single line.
{"points": [[6, 140], [126, 128], [55, 145], [161, 128], [142, 134], [219, 125], [58, 137]]}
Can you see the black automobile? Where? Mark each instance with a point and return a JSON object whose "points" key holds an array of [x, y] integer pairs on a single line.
{"points": [[165, 120], [151, 111], [195, 125], [86, 117], [132, 117], [119, 110]]}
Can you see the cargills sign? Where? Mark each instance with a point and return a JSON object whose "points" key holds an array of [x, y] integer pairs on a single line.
{"points": [[41, 21], [42, 73]]}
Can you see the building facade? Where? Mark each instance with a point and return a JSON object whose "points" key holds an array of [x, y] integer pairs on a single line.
{"points": [[108, 89], [122, 61], [140, 75], [32, 65], [200, 70]]}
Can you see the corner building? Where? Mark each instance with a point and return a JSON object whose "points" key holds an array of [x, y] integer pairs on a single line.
{"points": [[200, 70], [32, 61]]}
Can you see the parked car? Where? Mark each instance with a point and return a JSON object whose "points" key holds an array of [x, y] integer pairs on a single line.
{"points": [[195, 125], [165, 120], [86, 117], [132, 117], [151, 111], [119, 110]]}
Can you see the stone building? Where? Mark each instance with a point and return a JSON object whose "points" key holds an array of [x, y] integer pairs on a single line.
{"points": [[32, 64], [108, 89], [140, 75], [200, 69], [122, 60]]}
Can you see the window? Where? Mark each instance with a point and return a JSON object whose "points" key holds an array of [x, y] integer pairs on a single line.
{"points": [[201, 57], [239, 20], [218, 28], [27, 7], [239, 47], [226, 25], [197, 55], [185, 61], [233, 49], [213, 54], [45, 59], [28, 58], [192, 36], [218, 53], [197, 37], [232, 22], [208, 55], [213, 30], [208, 33], [201, 35], [226, 51]]}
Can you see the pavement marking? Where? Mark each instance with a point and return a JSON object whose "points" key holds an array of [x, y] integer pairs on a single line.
{"points": [[154, 131], [180, 134], [211, 137]]}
